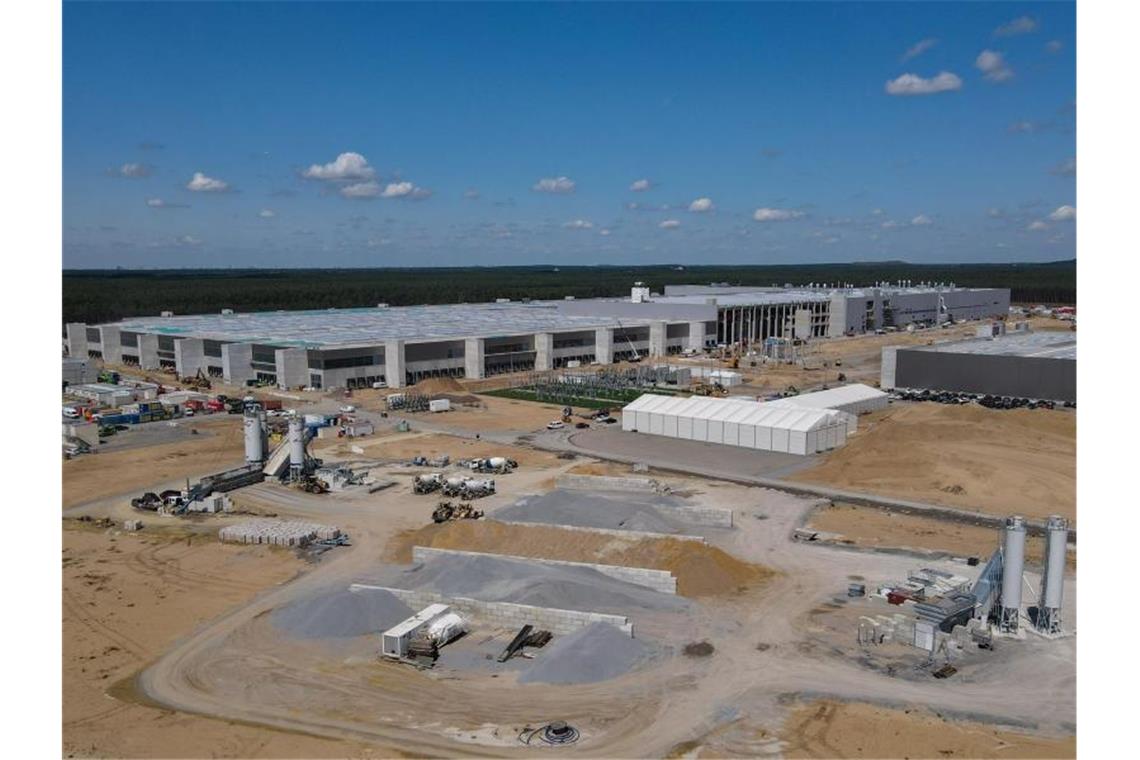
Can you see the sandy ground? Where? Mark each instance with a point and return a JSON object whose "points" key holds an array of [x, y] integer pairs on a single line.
{"points": [[217, 446], [870, 527], [431, 445], [1014, 461], [126, 597], [843, 729]]}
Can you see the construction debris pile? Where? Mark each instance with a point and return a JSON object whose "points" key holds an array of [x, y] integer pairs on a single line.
{"points": [[451, 511], [278, 532]]}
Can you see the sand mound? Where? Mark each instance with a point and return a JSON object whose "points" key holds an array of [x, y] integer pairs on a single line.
{"points": [[999, 461], [595, 653], [701, 570], [339, 614], [439, 385]]}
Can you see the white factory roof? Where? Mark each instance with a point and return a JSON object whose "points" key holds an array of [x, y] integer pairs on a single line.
{"points": [[741, 411], [1041, 345], [836, 398], [373, 325]]}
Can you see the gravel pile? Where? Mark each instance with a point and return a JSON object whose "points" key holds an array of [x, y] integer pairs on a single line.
{"points": [[596, 509], [340, 613], [595, 653], [494, 579]]}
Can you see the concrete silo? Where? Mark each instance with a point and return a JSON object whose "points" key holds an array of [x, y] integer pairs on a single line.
{"points": [[296, 447], [1013, 565], [1053, 578], [254, 436]]}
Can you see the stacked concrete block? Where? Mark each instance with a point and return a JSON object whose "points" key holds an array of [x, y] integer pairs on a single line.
{"points": [[277, 532], [658, 580], [606, 483], [711, 516], [132, 525], [507, 614]]}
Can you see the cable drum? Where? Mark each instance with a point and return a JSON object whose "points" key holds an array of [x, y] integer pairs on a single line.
{"points": [[555, 734]]}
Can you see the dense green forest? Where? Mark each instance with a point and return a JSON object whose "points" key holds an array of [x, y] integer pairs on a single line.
{"points": [[95, 296]]}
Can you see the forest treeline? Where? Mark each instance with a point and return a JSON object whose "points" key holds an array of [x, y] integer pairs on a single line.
{"points": [[95, 296]]}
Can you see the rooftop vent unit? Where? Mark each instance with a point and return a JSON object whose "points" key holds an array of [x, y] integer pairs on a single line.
{"points": [[167, 314]]}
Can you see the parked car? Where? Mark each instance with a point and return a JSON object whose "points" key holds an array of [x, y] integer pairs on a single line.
{"points": [[555, 425], [347, 409]]}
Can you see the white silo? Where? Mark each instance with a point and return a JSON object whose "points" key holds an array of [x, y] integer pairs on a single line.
{"points": [[1053, 579], [254, 449], [1013, 565], [296, 445]]}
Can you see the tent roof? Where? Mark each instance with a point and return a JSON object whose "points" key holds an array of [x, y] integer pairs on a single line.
{"points": [[829, 399], [740, 411]]}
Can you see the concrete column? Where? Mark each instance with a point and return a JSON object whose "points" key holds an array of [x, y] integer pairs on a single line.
{"points": [[473, 352], [543, 351], [77, 340], [237, 363], [658, 332], [148, 351], [112, 344], [292, 367], [394, 373], [604, 345], [189, 356], [696, 336]]}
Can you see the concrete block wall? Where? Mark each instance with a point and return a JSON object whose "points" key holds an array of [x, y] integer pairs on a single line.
{"points": [[658, 580], [711, 516], [237, 363], [506, 614], [292, 367], [148, 351], [696, 339], [658, 332], [543, 351], [604, 345], [189, 354], [111, 339], [608, 531], [606, 483]]}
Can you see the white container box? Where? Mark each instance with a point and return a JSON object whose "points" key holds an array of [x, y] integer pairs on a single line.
{"points": [[440, 405]]}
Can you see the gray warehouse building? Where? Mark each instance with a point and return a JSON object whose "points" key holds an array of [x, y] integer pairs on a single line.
{"points": [[347, 348], [1040, 365]]}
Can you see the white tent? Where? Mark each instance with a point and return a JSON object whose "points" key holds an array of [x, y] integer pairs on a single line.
{"points": [[737, 422], [851, 399]]}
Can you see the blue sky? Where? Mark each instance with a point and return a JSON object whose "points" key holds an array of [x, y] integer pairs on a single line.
{"points": [[209, 134]]}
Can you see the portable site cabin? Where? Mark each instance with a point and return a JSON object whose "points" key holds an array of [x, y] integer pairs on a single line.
{"points": [[396, 639], [737, 422]]}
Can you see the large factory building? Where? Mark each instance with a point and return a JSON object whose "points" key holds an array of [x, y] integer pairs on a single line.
{"points": [[1037, 365], [338, 348]]}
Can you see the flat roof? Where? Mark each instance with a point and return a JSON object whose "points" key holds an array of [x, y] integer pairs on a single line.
{"points": [[343, 328], [1041, 345]]}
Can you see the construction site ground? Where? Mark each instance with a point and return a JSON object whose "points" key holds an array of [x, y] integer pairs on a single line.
{"points": [[210, 673], [1017, 461]]}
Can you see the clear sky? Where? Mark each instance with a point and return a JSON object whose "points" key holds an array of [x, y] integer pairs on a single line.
{"points": [[329, 134]]}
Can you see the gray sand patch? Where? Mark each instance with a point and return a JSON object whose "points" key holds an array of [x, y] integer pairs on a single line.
{"points": [[340, 613], [595, 653]]}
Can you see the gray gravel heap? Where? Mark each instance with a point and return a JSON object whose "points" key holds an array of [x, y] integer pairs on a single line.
{"points": [[340, 613], [597, 652], [493, 579], [613, 510]]}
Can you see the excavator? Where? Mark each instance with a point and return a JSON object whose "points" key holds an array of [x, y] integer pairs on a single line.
{"points": [[198, 382], [709, 389]]}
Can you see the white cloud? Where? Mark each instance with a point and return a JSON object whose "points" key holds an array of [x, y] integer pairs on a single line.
{"points": [[134, 171], [1020, 25], [1064, 214], [877, 212], [361, 190], [397, 190], [640, 185], [471, 194], [156, 202], [579, 224], [200, 183], [1023, 127], [1037, 225], [1067, 168], [890, 224], [776, 214], [669, 224], [921, 220], [913, 84], [701, 205], [995, 213], [1054, 46], [188, 240], [558, 185], [919, 48], [346, 166], [993, 66], [604, 232], [266, 213]]}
